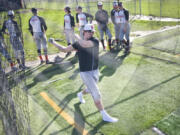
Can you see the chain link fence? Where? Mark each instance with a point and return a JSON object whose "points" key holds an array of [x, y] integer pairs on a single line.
{"points": [[14, 110], [136, 7]]}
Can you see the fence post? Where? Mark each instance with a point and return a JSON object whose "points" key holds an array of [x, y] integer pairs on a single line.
{"points": [[160, 9], [76, 2], [140, 7], [135, 7], [88, 8]]}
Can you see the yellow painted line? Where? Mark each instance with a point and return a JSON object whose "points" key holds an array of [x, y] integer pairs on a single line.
{"points": [[66, 116]]}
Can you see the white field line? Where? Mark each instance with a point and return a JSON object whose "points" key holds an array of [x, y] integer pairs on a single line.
{"points": [[159, 132], [145, 33], [152, 18]]}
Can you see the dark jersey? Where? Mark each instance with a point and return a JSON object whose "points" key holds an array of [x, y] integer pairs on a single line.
{"points": [[88, 57], [101, 16]]}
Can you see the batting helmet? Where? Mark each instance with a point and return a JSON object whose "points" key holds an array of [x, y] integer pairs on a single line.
{"points": [[120, 4], [78, 8], [34, 10], [68, 9]]}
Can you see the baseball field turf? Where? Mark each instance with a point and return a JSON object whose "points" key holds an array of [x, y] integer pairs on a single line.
{"points": [[140, 89]]}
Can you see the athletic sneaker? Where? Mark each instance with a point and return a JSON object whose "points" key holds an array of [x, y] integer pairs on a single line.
{"points": [[80, 96], [48, 62], [20, 66], [13, 69], [24, 67], [108, 118], [69, 53], [41, 62]]}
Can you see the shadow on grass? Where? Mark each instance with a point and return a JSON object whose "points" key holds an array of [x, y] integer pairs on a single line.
{"points": [[16, 79], [50, 72], [74, 75], [109, 62], [96, 128], [79, 119], [137, 94], [156, 58], [64, 105]]}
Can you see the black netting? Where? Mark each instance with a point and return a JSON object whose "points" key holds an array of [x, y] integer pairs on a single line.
{"points": [[13, 96]]}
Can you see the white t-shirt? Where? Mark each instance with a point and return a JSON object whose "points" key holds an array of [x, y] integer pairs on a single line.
{"points": [[119, 17], [67, 22], [122, 16], [82, 19], [36, 24]]}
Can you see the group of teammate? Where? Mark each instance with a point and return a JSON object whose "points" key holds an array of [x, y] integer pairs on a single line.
{"points": [[119, 17], [37, 27]]}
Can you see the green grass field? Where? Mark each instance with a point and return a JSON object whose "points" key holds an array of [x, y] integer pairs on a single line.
{"points": [[170, 124], [147, 92], [141, 89]]}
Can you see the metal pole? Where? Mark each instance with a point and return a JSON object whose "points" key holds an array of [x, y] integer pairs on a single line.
{"points": [[140, 8], [135, 6], [76, 2], [160, 9], [88, 8]]}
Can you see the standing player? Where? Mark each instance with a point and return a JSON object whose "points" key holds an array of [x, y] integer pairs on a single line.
{"points": [[82, 19], [15, 38], [5, 53], [37, 27], [125, 26], [102, 18], [88, 54], [114, 19], [69, 27]]}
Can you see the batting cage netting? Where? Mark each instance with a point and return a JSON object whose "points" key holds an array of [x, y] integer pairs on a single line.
{"points": [[14, 112]]}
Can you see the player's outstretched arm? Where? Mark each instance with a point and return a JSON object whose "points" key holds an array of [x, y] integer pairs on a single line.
{"points": [[60, 47]]}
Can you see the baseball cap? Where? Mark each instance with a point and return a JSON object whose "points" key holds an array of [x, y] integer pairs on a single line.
{"points": [[120, 4], [89, 27], [68, 9], [78, 7], [10, 13], [100, 3], [34, 10], [115, 3]]}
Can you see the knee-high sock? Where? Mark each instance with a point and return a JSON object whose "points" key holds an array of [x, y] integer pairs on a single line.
{"points": [[109, 43], [102, 41]]}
